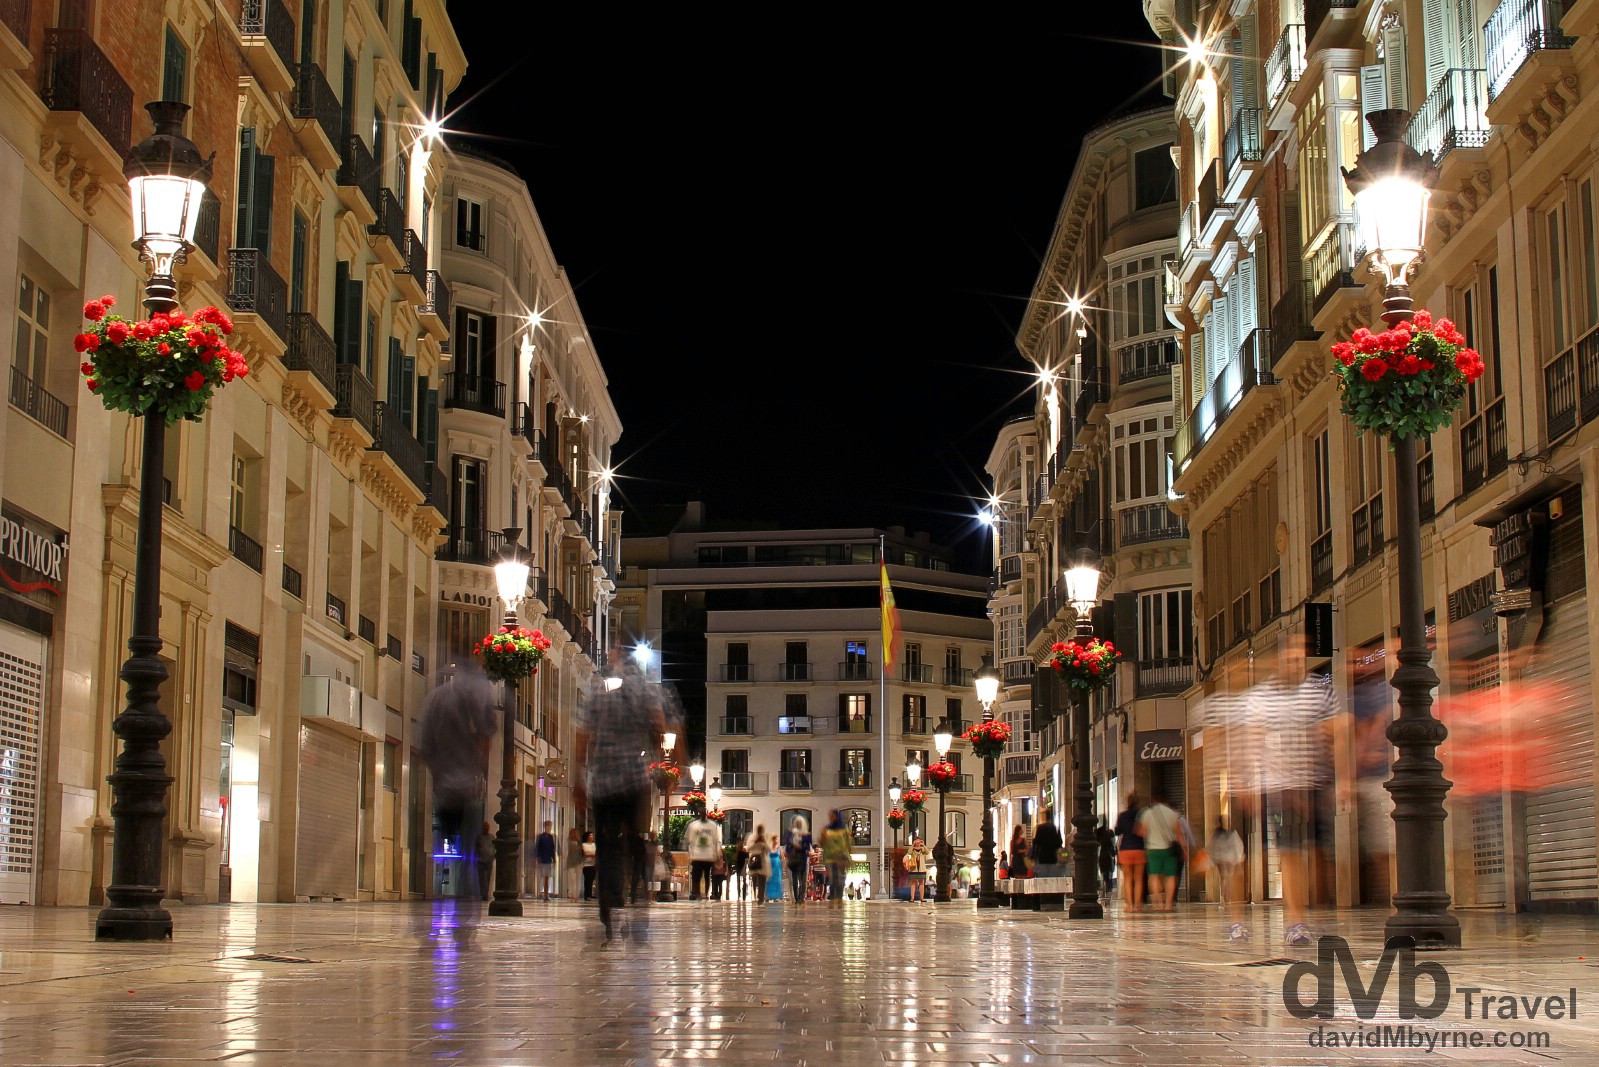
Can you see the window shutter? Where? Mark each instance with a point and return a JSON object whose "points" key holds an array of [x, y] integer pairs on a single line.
{"points": [[408, 391], [396, 380], [1235, 74], [297, 253], [261, 209], [1248, 298], [1466, 33], [843, 711], [430, 423], [461, 230], [1198, 383], [1293, 242], [354, 302], [1045, 695], [242, 226], [1373, 97], [1249, 46], [1179, 392], [490, 330], [174, 69], [1435, 24], [1393, 59], [1127, 627]]}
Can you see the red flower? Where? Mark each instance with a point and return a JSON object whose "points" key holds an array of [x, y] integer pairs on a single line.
{"points": [[1422, 320], [109, 301], [163, 349], [195, 381], [160, 323], [92, 384], [82, 342], [1344, 352], [176, 320], [94, 310], [1427, 364], [86, 368], [1408, 365], [206, 355], [117, 332], [143, 331], [1374, 369]]}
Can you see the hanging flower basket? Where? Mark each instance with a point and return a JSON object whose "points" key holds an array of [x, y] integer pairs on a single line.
{"points": [[694, 801], [1085, 666], [664, 775], [988, 739], [941, 775], [1407, 381], [896, 818], [716, 815], [512, 654], [167, 366], [913, 800]]}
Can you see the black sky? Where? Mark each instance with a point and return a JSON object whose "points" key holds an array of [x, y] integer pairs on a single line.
{"points": [[802, 246]]}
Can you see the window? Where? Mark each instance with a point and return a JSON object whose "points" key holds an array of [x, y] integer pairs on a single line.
{"points": [[467, 504], [238, 513], [174, 68], [735, 761], [370, 355], [1165, 625], [470, 350], [786, 819], [739, 825], [955, 714], [1141, 447], [855, 713], [1366, 451], [855, 768], [33, 329], [794, 768], [1138, 298], [955, 827], [855, 652], [1154, 177], [391, 766], [469, 224], [859, 823], [301, 238], [914, 714], [1321, 504], [796, 716], [1012, 632], [253, 227]]}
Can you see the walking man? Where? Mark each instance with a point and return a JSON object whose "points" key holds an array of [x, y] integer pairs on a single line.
{"points": [[704, 850], [483, 852], [544, 860], [1163, 843]]}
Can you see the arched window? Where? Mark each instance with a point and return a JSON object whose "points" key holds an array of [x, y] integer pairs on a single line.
{"points": [[955, 827], [786, 819], [859, 821]]}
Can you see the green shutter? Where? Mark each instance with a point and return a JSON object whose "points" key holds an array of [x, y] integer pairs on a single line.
{"points": [[246, 197], [174, 68], [408, 391], [261, 205], [396, 379], [297, 263], [430, 423]]}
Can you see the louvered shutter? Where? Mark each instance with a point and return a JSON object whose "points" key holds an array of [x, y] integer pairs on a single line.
{"points": [[430, 423], [261, 209], [396, 380], [1179, 392], [350, 342], [490, 339], [1248, 297], [1126, 632], [1373, 97], [1466, 28], [408, 392], [1393, 59], [1198, 383], [1235, 74], [243, 227], [1435, 25], [1249, 38]]}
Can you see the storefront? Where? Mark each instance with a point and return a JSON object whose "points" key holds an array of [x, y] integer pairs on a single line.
{"points": [[32, 566]]}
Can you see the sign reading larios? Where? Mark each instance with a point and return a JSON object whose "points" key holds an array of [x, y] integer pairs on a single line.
{"points": [[34, 558]]}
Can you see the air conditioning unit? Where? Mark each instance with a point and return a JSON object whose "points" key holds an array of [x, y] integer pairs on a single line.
{"points": [[341, 704]]}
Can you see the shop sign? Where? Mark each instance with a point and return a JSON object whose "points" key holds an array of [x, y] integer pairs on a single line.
{"points": [[476, 600], [34, 558], [1159, 746]]}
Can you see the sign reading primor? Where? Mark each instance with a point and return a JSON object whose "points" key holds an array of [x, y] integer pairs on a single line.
{"points": [[32, 551], [1159, 746]]}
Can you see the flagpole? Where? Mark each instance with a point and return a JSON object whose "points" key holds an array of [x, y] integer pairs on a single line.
{"points": [[882, 726]]}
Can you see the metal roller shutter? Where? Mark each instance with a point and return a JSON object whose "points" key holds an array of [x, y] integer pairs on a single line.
{"points": [[329, 814], [1561, 853], [1487, 813], [22, 659]]}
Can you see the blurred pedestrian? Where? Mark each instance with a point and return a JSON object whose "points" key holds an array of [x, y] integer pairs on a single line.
{"points": [[1130, 855], [616, 726], [1018, 852], [589, 849], [741, 860], [572, 864], [836, 844], [1047, 846], [774, 872], [544, 861], [915, 864], [483, 855], [704, 839], [1157, 824], [1226, 850], [797, 856], [1107, 854], [459, 720], [757, 862]]}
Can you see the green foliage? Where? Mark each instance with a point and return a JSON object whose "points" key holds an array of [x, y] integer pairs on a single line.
{"points": [[676, 827]]}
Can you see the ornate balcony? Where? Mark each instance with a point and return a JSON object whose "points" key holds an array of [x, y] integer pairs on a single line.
{"points": [[1145, 523], [311, 356], [266, 35], [358, 185], [354, 397], [1571, 388], [1285, 64], [1484, 450], [1163, 677], [257, 294], [1453, 115], [91, 112], [392, 437], [388, 232], [1515, 33], [16, 17], [314, 100], [411, 279], [33, 400], [1330, 263], [435, 306], [1237, 379], [1148, 359], [472, 392], [1243, 142], [245, 549]]}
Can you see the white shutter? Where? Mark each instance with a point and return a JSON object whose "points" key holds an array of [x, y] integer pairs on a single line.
{"points": [[1561, 858], [1249, 46], [1179, 392], [1393, 59], [1235, 72], [1198, 383], [1466, 30], [1435, 22], [1221, 341], [1248, 298], [1373, 97]]}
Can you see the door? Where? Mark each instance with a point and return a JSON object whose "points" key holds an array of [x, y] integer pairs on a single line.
{"points": [[1558, 706], [23, 657], [326, 837]]}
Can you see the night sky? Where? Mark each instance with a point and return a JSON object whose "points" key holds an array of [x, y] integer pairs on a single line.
{"points": [[802, 247]]}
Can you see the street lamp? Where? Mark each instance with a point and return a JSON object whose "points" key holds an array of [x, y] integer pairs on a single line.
{"points": [[713, 793], [167, 180], [987, 681], [1082, 590], [943, 852], [696, 772], [510, 574], [1392, 183], [913, 778], [668, 744]]}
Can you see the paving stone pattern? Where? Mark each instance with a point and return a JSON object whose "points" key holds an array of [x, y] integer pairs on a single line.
{"points": [[871, 983]]}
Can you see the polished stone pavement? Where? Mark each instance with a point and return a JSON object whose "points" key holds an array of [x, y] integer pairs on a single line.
{"points": [[870, 983]]}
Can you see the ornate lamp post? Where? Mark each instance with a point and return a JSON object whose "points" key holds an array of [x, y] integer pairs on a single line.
{"points": [[668, 744], [894, 793], [510, 574], [167, 179], [713, 793], [1082, 590], [696, 774], [987, 682], [943, 852], [913, 777], [1392, 184]]}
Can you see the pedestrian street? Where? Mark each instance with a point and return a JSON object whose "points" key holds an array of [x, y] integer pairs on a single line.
{"points": [[865, 983]]}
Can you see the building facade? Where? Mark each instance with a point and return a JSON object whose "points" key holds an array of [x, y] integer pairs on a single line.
{"points": [[1270, 101], [525, 427], [1092, 473], [800, 718]]}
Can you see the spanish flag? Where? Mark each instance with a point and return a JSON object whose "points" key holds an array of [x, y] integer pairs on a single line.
{"points": [[890, 622]]}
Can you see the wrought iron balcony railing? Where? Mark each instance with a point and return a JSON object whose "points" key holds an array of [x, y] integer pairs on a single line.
{"points": [[208, 226], [472, 392], [1571, 387], [855, 671], [391, 219], [358, 169], [1163, 677], [310, 348], [1453, 115], [245, 548], [353, 396], [254, 287], [1144, 523], [31, 398], [269, 19], [1243, 142], [392, 437], [1484, 450], [1285, 64], [1516, 30], [438, 297], [416, 257], [79, 77], [314, 99], [1237, 379]]}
